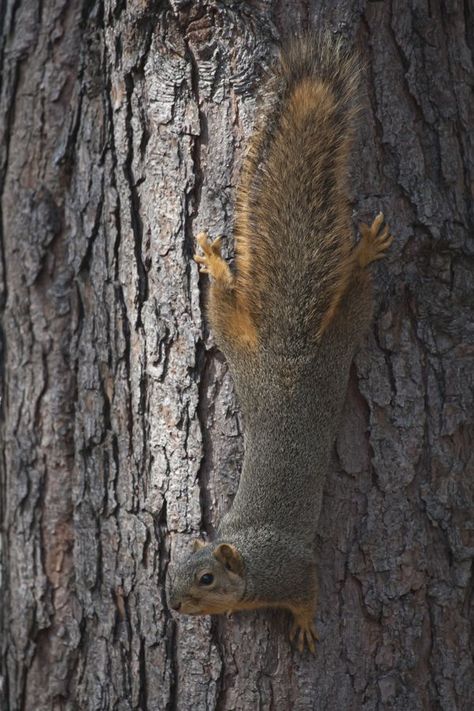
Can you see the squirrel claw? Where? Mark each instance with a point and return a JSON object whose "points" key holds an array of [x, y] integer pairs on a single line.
{"points": [[216, 245]]}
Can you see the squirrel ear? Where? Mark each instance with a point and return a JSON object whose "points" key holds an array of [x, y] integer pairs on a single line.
{"points": [[229, 556], [197, 544]]}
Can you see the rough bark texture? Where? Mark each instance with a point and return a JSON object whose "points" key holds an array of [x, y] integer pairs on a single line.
{"points": [[122, 129]]}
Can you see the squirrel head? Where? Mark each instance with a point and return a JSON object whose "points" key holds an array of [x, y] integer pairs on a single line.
{"points": [[210, 581]]}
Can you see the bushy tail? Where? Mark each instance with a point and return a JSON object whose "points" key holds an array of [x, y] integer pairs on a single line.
{"points": [[292, 230]]}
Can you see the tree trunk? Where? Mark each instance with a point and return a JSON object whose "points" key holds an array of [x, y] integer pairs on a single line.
{"points": [[123, 128]]}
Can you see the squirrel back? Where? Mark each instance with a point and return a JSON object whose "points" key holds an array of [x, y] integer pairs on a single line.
{"points": [[292, 228]]}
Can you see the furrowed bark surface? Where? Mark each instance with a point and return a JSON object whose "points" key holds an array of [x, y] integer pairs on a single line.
{"points": [[123, 125]]}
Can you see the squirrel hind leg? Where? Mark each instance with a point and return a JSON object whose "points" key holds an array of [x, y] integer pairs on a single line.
{"points": [[303, 631], [231, 322], [375, 240]]}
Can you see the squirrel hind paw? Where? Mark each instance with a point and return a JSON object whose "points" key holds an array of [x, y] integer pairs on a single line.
{"points": [[211, 261], [209, 248], [374, 241], [304, 633]]}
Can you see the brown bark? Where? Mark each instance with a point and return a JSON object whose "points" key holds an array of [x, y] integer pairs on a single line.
{"points": [[122, 129]]}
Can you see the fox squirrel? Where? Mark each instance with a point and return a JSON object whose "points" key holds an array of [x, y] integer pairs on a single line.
{"points": [[288, 320]]}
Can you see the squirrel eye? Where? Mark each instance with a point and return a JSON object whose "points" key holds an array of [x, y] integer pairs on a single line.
{"points": [[206, 579]]}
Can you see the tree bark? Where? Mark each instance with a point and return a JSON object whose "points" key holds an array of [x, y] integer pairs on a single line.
{"points": [[123, 127]]}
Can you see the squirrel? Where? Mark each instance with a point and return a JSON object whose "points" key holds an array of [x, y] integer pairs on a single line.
{"points": [[288, 319]]}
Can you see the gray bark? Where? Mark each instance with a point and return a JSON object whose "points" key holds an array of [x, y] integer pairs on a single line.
{"points": [[123, 125]]}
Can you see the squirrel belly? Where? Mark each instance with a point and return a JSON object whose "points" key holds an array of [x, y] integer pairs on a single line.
{"points": [[288, 319]]}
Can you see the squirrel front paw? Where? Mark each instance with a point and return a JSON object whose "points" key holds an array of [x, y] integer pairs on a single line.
{"points": [[212, 263], [303, 631], [374, 241]]}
